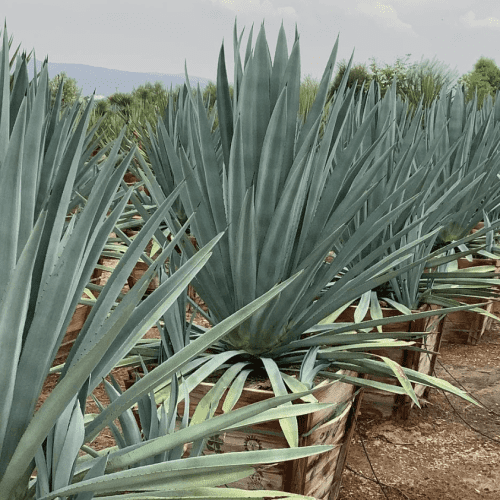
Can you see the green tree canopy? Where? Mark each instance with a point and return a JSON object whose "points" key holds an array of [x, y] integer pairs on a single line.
{"points": [[484, 78], [71, 90]]}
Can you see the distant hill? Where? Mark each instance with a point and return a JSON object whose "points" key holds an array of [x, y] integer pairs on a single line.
{"points": [[108, 81]]}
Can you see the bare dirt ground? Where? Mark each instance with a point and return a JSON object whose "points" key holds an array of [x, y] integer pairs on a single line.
{"points": [[436, 454]]}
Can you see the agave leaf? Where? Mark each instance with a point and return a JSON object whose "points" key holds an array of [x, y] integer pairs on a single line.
{"points": [[282, 412], [42, 483], [13, 310], [297, 386], [127, 420], [288, 425], [144, 481], [271, 159], [254, 104], [380, 369], [175, 475], [319, 102], [10, 199], [120, 441], [224, 106], [279, 65], [210, 170], [4, 97], [72, 432], [131, 455], [400, 307], [235, 391], [363, 306], [208, 404], [245, 253], [31, 159], [375, 309], [207, 493], [365, 346], [365, 382], [399, 319], [236, 184], [290, 79], [96, 471]]}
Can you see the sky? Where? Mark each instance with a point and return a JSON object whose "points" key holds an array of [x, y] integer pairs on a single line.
{"points": [[159, 36]]}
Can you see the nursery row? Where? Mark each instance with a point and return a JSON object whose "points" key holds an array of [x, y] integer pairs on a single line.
{"points": [[323, 254]]}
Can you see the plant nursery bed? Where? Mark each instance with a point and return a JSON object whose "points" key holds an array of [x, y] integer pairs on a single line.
{"points": [[435, 455]]}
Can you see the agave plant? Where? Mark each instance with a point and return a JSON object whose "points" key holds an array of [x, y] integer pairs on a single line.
{"points": [[466, 139], [46, 264], [285, 196], [451, 195]]}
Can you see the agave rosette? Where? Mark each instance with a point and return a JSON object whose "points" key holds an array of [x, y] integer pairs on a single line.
{"points": [[285, 195]]}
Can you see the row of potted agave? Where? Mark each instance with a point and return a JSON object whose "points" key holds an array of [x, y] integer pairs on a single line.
{"points": [[273, 225], [321, 427], [325, 427], [47, 263]]}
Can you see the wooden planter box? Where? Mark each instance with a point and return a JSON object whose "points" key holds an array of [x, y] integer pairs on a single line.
{"points": [[318, 476], [381, 404], [467, 327], [495, 309]]}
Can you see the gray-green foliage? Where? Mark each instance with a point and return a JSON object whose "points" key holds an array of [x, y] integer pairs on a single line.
{"points": [[15, 57], [285, 195], [46, 263]]}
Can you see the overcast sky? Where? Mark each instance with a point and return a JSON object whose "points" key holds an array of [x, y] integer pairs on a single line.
{"points": [[159, 35]]}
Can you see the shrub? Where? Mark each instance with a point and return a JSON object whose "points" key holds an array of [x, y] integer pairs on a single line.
{"points": [[121, 99], [384, 76], [210, 94], [308, 91], [425, 80], [150, 93], [357, 75]]}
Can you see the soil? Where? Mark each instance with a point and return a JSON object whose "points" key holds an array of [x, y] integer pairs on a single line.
{"points": [[449, 449]]}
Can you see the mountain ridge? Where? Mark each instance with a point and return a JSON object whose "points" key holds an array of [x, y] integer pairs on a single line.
{"points": [[107, 81]]}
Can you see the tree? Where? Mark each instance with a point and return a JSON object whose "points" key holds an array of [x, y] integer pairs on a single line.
{"points": [[70, 89], [483, 79], [149, 92]]}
